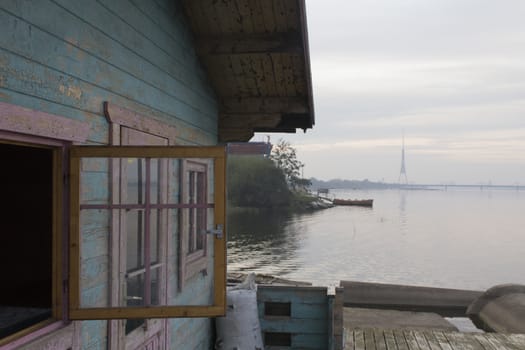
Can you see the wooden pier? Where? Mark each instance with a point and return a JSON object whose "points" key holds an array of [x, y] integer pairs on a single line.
{"points": [[373, 316], [372, 339]]}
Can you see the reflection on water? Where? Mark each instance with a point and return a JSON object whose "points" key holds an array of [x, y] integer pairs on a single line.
{"points": [[455, 238], [402, 212], [265, 239]]}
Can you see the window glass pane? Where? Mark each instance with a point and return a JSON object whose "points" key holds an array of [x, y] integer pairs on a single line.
{"points": [[200, 228], [194, 227], [154, 235], [135, 290], [154, 180], [201, 188], [133, 324], [191, 229], [155, 285], [174, 182], [142, 233], [196, 197], [134, 232], [135, 178], [191, 187]]}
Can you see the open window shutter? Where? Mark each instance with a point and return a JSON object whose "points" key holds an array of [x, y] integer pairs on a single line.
{"points": [[93, 208]]}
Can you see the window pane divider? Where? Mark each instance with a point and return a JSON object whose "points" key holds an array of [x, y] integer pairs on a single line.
{"points": [[142, 270], [207, 152], [147, 243], [151, 206], [151, 312]]}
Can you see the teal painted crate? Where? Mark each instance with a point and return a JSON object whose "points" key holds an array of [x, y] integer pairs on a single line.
{"points": [[298, 317]]}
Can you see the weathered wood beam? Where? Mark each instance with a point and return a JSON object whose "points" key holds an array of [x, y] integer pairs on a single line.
{"points": [[235, 135], [241, 127], [446, 302], [119, 115], [251, 121], [295, 120], [252, 105], [277, 129], [250, 44], [29, 121]]}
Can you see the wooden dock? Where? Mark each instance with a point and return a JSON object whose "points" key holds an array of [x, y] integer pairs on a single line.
{"points": [[380, 339]]}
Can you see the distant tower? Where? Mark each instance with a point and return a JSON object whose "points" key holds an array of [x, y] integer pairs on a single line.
{"points": [[403, 180]]}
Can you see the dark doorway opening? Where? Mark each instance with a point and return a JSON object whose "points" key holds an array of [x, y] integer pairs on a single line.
{"points": [[26, 238]]}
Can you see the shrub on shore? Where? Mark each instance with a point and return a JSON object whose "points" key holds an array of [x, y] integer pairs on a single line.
{"points": [[256, 182]]}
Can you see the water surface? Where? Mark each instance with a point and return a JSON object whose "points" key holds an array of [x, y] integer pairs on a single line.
{"points": [[458, 238]]}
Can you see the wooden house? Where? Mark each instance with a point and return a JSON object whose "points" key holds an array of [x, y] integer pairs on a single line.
{"points": [[113, 119]]}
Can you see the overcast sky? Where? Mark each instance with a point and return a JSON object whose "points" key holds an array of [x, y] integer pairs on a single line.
{"points": [[450, 74]]}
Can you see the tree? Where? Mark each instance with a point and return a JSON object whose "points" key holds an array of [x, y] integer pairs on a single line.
{"points": [[256, 182], [285, 157]]}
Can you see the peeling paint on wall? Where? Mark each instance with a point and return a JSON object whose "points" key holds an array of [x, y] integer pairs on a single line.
{"points": [[71, 91]]}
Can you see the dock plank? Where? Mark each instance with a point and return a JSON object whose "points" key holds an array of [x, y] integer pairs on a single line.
{"points": [[349, 339], [421, 341], [461, 342], [390, 340], [397, 339], [359, 340], [503, 342], [518, 340], [379, 338], [482, 339], [442, 340], [369, 339], [411, 340], [432, 341], [400, 340]]}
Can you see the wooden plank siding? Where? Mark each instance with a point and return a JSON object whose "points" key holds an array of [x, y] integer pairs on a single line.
{"points": [[376, 339], [66, 58], [110, 51]]}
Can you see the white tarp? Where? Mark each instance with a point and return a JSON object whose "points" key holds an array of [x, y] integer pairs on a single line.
{"points": [[240, 328]]}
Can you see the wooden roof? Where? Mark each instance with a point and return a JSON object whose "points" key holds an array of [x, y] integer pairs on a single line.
{"points": [[256, 54]]}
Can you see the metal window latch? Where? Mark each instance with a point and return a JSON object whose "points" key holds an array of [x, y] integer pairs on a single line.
{"points": [[218, 231]]}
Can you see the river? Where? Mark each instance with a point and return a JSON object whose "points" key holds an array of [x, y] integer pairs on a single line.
{"points": [[469, 238]]}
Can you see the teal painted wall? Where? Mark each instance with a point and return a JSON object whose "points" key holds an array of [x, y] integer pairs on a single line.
{"points": [[66, 57]]}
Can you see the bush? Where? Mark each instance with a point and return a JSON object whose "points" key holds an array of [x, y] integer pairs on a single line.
{"points": [[254, 181]]}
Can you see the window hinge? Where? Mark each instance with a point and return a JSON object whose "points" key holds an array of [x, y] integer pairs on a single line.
{"points": [[218, 231]]}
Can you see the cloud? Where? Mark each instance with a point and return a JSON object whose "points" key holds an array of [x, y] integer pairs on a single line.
{"points": [[434, 81], [408, 29], [449, 73], [363, 144]]}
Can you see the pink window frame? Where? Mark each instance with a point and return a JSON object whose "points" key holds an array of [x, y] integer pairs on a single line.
{"points": [[121, 119], [35, 128], [192, 263], [118, 117]]}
